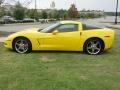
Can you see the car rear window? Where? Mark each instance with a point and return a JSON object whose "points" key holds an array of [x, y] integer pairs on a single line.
{"points": [[89, 27]]}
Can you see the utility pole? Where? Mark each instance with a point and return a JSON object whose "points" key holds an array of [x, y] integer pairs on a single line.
{"points": [[35, 11], [116, 16], [35, 5]]}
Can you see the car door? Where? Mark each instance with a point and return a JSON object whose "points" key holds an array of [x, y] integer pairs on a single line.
{"points": [[63, 37]]}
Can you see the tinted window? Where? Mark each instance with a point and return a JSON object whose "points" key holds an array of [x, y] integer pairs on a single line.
{"points": [[89, 27], [67, 28]]}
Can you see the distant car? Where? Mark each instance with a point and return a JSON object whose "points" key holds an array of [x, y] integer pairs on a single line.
{"points": [[7, 19], [62, 36]]}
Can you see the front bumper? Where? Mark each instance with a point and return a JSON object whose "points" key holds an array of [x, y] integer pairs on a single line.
{"points": [[8, 44]]}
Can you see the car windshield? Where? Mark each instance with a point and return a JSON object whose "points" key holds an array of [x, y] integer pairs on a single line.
{"points": [[48, 29]]}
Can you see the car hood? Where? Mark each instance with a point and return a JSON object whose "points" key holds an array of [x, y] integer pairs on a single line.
{"points": [[30, 30], [25, 32]]}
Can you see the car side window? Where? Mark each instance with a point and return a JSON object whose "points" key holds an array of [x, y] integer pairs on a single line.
{"points": [[89, 27], [67, 28]]}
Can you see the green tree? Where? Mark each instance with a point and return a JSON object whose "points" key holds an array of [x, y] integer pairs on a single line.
{"points": [[50, 15], [2, 11], [62, 14], [30, 13], [8, 13], [57, 14], [19, 11], [72, 12], [44, 15], [34, 14]]}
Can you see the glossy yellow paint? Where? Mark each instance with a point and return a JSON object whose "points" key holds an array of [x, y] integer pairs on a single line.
{"points": [[67, 41]]}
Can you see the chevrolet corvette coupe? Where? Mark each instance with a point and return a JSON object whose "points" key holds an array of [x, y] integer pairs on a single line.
{"points": [[62, 36]]}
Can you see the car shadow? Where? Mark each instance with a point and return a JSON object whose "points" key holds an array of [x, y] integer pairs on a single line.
{"points": [[58, 52], [62, 52], [70, 52]]}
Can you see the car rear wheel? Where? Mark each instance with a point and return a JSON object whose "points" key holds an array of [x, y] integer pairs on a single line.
{"points": [[22, 45], [94, 46]]}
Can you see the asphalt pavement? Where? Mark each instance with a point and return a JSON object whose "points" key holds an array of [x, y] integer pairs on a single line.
{"points": [[19, 27]]}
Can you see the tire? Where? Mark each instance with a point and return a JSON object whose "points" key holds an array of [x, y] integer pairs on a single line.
{"points": [[94, 46], [22, 45]]}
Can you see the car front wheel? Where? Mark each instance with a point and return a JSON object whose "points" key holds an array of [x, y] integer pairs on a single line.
{"points": [[22, 45], [94, 46]]}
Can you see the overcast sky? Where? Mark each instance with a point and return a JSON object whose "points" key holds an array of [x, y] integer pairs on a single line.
{"points": [[107, 5]]}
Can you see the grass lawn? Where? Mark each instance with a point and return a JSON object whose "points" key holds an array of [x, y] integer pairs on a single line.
{"points": [[60, 70]]}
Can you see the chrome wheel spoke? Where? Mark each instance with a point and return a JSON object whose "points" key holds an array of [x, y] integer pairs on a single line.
{"points": [[89, 47], [25, 46], [93, 47], [97, 43], [92, 42], [22, 41], [21, 46], [93, 50], [96, 48], [17, 44]]}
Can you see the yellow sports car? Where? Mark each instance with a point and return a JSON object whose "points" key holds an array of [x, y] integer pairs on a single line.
{"points": [[62, 36]]}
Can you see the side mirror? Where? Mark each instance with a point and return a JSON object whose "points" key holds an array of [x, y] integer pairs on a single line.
{"points": [[55, 32]]}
